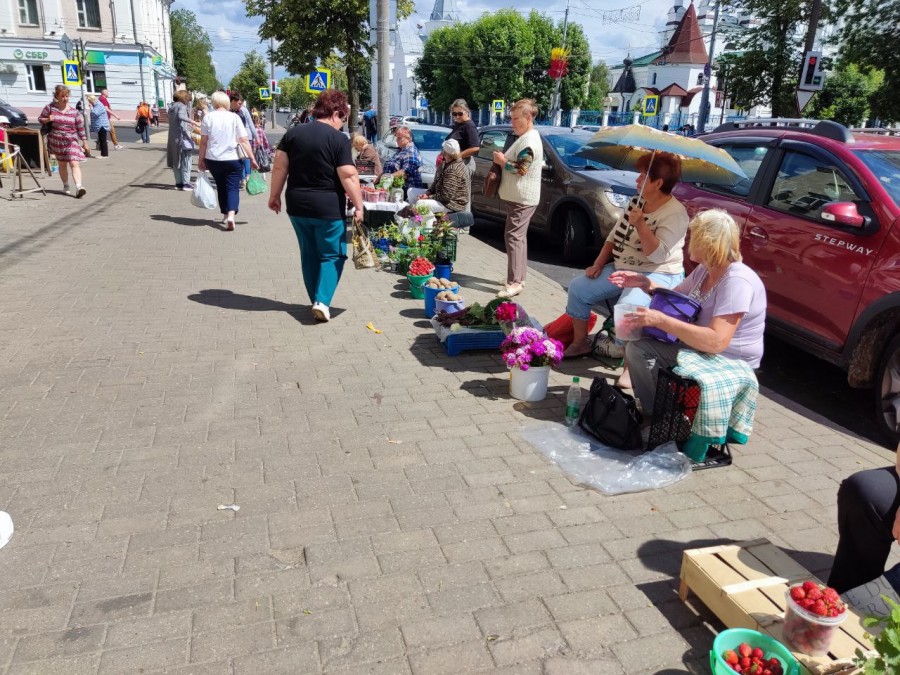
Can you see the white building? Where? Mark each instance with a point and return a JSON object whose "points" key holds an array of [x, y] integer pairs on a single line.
{"points": [[127, 49]]}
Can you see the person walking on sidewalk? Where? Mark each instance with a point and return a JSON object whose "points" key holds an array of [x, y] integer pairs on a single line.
{"points": [[180, 145], [240, 109], [316, 162], [104, 99], [220, 135], [154, 114], [142, 118], [99, 124], [520, 189], [67, 139]]}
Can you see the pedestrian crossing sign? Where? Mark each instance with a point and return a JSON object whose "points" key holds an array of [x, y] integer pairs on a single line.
{"points": [[318, 80], [265, 94], [651, 105], [498, 106], [71, 73]]}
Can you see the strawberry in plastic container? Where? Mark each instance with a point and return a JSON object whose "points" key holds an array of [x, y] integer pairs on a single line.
{"points": [[813, 614]]}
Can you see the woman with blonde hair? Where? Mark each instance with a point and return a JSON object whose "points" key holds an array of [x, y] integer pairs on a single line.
{"points": [[367, 161], [732, 302], [67, 139], [520, 189], [220, 135], [464, 132], [180, 142], [99, 124]]}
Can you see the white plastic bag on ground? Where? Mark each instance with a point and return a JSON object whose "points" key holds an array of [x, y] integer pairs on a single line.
{"points": [[6, 528], [609, 470], [204, 194]]}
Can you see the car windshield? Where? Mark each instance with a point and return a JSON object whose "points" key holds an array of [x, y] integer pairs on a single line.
{"points": [[566, 145], [885, 166], [426, 139]]}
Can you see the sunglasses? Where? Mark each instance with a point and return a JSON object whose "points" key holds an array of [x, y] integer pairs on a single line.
{"points": [[458, 114]]}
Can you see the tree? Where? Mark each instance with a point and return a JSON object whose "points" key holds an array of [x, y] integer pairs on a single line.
{"points": [[847, 96], [598, 87], [500, 52], [575, 83], [294, 94], [192, 52], [309, 31], [869, 39], [439, 71], [252, 75], [767, 70]]}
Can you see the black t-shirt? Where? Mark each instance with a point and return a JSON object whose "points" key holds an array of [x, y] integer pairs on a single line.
{"points": [[466, 134], [315, 151]]}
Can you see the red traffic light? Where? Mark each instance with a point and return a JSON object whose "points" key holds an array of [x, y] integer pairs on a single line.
{"points": [[813, 60]]}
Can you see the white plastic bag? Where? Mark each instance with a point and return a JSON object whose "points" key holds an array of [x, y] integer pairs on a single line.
{"points": [[204, 194], [6, 528], [611, 471]]}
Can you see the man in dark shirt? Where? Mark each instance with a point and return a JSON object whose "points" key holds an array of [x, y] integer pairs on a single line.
{"points": [[370, 122]]}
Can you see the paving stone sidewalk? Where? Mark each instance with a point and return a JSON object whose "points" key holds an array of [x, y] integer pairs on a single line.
{"points": [[392, 519]]}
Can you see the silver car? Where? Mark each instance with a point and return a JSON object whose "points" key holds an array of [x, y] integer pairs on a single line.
{"points": [[427, 139]]}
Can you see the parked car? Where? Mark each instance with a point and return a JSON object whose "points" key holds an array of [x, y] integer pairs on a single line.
{"points": [[15, 116], [428, 139], [820, 224], [580, 199]]}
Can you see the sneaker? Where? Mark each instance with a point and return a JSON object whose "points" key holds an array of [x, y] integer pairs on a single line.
{"points": [[510, 291], [119, 147], [187, 187], [67, 190], [79, 192], [606, 348], [320, 312]]}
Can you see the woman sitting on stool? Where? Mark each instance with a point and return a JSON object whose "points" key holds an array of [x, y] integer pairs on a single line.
{"points": [[732, 302], [450, 191]]}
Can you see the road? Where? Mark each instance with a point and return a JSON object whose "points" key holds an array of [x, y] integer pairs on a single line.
{"points": [[786, 370]]}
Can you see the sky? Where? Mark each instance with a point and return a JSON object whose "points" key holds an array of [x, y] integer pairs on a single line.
{"points": [[234, 34]]}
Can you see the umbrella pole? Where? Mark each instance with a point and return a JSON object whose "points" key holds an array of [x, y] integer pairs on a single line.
{"points": [[641, 194]]}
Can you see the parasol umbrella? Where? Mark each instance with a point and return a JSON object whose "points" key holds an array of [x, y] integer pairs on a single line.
{"points": [[621, 147]]}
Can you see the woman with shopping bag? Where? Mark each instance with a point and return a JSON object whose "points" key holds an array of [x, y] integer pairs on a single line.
{"points": [[221, 134]]}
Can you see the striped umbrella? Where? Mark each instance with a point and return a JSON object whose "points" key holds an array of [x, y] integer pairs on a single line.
{"points": [[621, 147]]}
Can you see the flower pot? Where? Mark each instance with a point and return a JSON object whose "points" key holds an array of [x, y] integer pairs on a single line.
{"points": [[529, 385], [417, 284]]}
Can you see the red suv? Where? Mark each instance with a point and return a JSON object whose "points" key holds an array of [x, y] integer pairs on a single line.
{"points": [[820, 224]]}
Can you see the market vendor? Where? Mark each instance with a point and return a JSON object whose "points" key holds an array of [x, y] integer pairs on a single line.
{"points": [[406, 163], [452, 184]]}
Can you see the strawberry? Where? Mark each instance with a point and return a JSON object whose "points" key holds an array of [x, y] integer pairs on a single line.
{"points": [[820, 608], [757, 653], [730, 657], [809, 585], [745, 662], [831, 595], [814, 593], [745, 650], [797, 593]]}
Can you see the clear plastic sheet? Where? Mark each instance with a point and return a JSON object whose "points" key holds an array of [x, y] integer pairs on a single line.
{"points": [[611, 471]]}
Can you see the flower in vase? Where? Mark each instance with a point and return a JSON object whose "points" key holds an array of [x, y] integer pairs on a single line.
{"points": [[527, 347]]}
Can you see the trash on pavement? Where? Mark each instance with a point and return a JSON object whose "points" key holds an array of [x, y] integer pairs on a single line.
{"points": [[372, 328], [6, 528], [609, 470], [229, 507]]}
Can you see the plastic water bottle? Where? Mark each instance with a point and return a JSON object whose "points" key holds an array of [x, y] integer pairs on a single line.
{"points": [[573, 402]]}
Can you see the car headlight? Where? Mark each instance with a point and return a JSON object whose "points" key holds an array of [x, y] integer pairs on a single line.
{"points": [[617, 198]]}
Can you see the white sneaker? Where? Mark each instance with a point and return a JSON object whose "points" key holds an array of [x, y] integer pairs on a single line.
{"points": [[67, 190], [320, 312], [606, 347], [119, 147]]}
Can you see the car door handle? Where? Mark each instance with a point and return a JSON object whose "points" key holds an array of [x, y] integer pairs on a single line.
{"points": [[758, 233]]}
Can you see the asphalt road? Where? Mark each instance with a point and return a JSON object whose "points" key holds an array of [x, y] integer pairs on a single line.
{"points": [[786, 370]]}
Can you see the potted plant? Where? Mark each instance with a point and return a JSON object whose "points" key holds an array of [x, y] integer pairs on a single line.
{"points": [[530, 354], [395, 193]]}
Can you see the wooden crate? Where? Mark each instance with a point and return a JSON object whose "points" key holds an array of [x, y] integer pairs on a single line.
{"points": [[744, 584]]}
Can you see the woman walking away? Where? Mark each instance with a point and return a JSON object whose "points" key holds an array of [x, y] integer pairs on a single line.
{"points": [[520, 188], [316, 162], [142, 118], [220, 135], [180, 145], [99, 124], [154, 114], [67, 140]]}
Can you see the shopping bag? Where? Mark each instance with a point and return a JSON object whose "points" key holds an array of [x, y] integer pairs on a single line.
{"points": [[492, 180], [263, 159], [256, 184], [363, 251], [204, 194]]}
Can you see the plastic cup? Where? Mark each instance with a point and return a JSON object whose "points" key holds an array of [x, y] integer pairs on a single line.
{"points": [[627, 328], [809, 633]]}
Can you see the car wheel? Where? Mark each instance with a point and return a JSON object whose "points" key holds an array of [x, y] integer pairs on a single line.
{"points": [[575, 236], [887, 392]]}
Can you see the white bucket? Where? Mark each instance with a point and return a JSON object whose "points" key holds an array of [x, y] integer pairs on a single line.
{"points": [[626, 330], [529, 385]]}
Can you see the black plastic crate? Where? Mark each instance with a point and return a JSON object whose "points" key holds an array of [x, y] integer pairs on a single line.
{"points": [[674, 408]]}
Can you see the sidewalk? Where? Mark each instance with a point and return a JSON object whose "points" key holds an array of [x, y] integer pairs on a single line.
{"points": [[392, 519]]}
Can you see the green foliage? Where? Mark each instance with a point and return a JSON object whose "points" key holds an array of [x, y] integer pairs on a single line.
{"points": [[294, 94], [192, 52], [767, 70], [846, 96], [887, 645], [502, 55], [309, 31], [598, 87], [253, 74], [869, 38]]}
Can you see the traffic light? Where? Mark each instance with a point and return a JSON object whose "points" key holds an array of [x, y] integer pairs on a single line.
{"points": [[811, 76]]}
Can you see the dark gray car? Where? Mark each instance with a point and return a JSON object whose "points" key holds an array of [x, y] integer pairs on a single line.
{"points": [[580, 199]]}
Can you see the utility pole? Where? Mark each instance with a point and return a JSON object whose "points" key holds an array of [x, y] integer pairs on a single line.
{"points": [[384, 67], [814, 13], [555, 111], [272, 68], [85, 115], [707, 73]]}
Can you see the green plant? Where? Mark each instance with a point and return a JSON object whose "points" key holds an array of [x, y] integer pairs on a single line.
{"points": [[887, 644], [399, 182]]}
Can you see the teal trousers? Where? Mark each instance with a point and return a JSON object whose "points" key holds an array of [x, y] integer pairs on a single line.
{"points": [[323, 250]]}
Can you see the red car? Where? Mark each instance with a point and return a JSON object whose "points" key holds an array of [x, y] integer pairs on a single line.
{"points": [[820, 224]]}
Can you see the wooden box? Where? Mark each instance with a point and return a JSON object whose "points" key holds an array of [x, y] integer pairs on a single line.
{"points": [[744, 584]]}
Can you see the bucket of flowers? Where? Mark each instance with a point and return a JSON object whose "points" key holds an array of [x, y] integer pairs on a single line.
{"points": [[530, 354]]}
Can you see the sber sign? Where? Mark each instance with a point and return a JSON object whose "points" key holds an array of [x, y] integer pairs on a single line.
{"points": [[37, 56]]}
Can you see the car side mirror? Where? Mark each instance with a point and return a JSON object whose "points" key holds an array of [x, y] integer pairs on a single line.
{"points": [[843, 213]]}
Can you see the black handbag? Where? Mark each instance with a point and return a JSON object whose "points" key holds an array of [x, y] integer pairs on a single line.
{"points": [[611, 416], [46, 128]]}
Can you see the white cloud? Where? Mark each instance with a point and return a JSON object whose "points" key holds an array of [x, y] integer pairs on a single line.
{"points": [[223, 34]]}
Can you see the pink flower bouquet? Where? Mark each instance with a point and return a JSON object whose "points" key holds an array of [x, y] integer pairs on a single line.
{"points": [[527, 347]]}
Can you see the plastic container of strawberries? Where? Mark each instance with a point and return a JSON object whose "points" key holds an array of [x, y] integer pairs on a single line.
{"points": [[809, 633], [732, 637]]}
